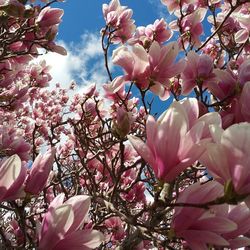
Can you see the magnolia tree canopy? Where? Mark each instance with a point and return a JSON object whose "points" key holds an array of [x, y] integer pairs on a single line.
{"points": [[103, 168]]}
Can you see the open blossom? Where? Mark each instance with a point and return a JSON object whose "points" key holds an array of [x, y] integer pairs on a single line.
{"points": [[198, 226], [227, 158], [39, 74], [150, 70], [174, 140], [12, 176], [61, 227], [116, 226], [153, 32], [119, 18], [198, 72]]}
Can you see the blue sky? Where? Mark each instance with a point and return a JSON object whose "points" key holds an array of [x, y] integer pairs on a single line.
{"points": [[79, 33], [82, 15]]}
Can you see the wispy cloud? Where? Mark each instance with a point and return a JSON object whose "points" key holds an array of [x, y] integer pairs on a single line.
{"points": [[162, 10]]}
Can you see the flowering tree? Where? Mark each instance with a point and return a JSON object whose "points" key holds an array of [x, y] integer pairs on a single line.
{"points": [[92, 171]]}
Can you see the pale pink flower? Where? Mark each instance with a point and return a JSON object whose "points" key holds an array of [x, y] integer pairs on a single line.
{"points": [[192, 28], [122, 122], [61, 227], [242, 35], [119, 18], [39, 74], [244, 102], [172, 5], [158, 31], [198, 72], [227, 158], [12, 176], [240, 215], [12, 143], [198, 226], [174, 140], [225, 85], [135, 62], [37, 178], [148, 70], [244, 72], [90, 90], [49, 17], [153, 32], [163, 67]]}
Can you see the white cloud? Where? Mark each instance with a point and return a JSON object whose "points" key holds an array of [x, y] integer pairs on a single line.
{"points": [[84, 63]]}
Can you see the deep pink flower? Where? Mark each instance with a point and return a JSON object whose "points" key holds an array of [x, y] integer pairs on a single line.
{"points": [[174, 140], [116, 226]]}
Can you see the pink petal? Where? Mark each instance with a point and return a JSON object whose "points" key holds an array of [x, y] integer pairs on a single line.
{"points": [[59, 223], [80, 205], [239, 242], [204, 237], [216, 224], [142, 149]]}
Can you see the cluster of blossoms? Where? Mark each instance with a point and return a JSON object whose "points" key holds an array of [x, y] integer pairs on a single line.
{"points": [[82, 170]]}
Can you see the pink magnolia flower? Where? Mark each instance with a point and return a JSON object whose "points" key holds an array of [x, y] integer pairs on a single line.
{"points": [[122, 122], [240, 215], [61, 227], [198, 226], [153, 32], [12, 143], [39, 173], [12, 176], [192, 27], [49, 17], [174, 141], [226, 85], [116, 226], [227, 158], [242, 35], [173, 5], [244, 72], [39, 74], [119, 18], [148, 70], [244, 102], [198, 71]]}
